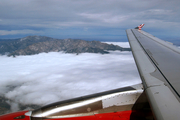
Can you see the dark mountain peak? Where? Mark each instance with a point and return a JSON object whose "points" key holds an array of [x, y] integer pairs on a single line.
{"points": [[36, 38], [68, 39], [29, 37]]}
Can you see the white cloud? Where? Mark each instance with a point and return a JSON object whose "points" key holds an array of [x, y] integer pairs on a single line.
{"points": [[122, 44], [160, 11], [14, 32], [49, 77], [103, 19]]}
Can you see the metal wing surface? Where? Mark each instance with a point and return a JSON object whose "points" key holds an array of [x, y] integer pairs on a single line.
{"points": [[158, 63]]}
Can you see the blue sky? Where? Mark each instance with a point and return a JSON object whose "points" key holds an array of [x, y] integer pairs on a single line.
{"points": [[104, 20]]}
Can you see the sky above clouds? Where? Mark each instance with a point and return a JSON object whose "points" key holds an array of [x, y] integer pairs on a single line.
{"points": [[104, 20]]}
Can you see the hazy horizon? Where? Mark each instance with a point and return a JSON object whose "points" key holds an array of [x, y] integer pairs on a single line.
{"points": [[175, 41]]}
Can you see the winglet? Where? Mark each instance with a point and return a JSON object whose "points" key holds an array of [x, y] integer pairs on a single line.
{"points": [[140, 26]]}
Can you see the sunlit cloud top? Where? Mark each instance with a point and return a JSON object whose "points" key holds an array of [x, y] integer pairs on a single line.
{"points": [[50, 77]]}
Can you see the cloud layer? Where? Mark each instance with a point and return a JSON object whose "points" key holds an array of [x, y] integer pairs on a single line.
{"points": [[49, 77]]}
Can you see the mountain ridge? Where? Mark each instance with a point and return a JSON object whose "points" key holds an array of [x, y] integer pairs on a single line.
{"points": [[37, 44]]}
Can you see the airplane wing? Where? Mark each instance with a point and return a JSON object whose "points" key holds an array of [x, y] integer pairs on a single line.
{"points": [[158, 63]]}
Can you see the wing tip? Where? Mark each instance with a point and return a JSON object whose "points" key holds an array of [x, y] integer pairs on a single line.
{"points": [[140, 26]]}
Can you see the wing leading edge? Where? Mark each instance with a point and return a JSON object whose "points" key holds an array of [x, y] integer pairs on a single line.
{"points": [[159, 68]]}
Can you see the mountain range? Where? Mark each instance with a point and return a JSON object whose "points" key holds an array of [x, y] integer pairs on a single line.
{"points": [[31, 45]]}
